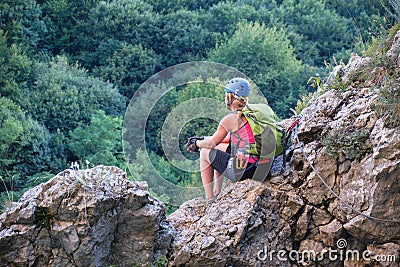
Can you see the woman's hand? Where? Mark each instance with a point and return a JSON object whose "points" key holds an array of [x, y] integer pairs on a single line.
{"points": [[191, 144]]}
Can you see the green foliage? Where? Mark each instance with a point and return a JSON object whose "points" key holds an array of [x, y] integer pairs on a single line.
{"points": [[128, 67], [383, 73], [20, 20], [211, 89], [388, 103], [369, 19], [185, 36], [99, 142], [395, 5], [65, 96], [167, 7], [201, 126], [224, 16], [64, 65], [352, 143], [34, 180], [377, 50], [159, 262], [150, 167], [64, 21], [26, 150], [31, 152], [168, 171], [113, 22], [178, 96], [158, 114], [24, 144], [322, 31], [11, 189], [15, 67], [265, 54], [11, 125]]}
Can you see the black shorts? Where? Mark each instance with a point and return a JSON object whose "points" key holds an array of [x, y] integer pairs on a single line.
{"points": [[219, 161]]}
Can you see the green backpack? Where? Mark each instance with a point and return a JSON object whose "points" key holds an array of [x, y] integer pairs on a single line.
{"points": [[267, 133]]}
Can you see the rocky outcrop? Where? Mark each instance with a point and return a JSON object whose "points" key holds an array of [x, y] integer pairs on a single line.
{"points": [[337, 206], [281, 221], [92, 217]]}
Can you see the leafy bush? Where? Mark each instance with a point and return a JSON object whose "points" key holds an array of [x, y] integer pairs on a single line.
{"points": [[185, 36], [110, 23], [14, 71], [266, 55], [388, 103], [21, 20], [26, 149], [65, 96], [128, 66], [99, 142], [352, 143], [313, 22]]}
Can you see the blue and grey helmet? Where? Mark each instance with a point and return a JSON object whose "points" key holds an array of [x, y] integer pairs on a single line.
{"points": [[239, 87]]}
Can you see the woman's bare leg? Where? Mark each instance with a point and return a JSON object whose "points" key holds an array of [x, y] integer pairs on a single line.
{"points": [[219, 179], [207, 172]]}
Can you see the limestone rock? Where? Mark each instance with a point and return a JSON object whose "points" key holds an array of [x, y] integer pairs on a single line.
{"points": [[84, 218], [331, 232], [387, 255], [234, 230], [393, 53], [313, 207], [354, 63]]}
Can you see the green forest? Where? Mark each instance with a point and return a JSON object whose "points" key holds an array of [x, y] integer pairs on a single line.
{"points": [[69, 69]]}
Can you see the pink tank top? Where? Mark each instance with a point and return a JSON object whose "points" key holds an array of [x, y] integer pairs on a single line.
{"points": [[242, 137]]}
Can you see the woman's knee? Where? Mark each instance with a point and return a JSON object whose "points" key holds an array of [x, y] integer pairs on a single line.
{"points": [[204, 152]]}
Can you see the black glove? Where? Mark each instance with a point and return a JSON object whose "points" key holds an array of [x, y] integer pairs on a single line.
{"points": [[191, 144]]}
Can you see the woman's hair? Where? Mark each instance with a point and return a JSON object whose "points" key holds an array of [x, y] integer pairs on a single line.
{"points": [[243, 100]]}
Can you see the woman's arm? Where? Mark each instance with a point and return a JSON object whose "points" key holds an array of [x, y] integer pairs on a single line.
{"points": [[221, 135]]}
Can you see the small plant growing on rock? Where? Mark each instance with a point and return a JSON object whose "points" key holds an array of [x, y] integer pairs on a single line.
{"points": [[6, 201], [43, 218], [304, 102], [387, 105], [352, 143], [160, 262]]}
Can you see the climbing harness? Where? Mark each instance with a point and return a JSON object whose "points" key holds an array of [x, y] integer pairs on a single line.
{"points": [[295, 128]]}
